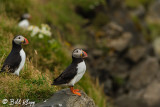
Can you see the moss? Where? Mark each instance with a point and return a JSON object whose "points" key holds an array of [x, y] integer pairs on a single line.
{"points": [[99, 21], [136, 3], [119, 81], [154, 28]]}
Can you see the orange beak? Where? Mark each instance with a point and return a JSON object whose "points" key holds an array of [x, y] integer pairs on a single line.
{"points": [[84, 54], [25, 41], [30, 17]]}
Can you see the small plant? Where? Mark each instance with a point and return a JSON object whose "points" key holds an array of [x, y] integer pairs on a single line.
{"points": [[40, 32]]}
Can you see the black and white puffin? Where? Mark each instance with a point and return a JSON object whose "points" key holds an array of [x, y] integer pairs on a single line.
{"points": [[16, 59], [24, 21], [74, 72]]}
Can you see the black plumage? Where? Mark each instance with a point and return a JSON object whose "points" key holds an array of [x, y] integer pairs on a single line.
{"points": [[25, 16], [69, 73], [13, 60], [74, 72]]}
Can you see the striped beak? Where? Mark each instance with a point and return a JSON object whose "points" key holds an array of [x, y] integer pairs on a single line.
{"points": [[25, 42], [84, 54]]}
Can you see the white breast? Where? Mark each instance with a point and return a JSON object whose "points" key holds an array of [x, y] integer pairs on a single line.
{"points": [[81, 70], [23, 58], [24, 24]]}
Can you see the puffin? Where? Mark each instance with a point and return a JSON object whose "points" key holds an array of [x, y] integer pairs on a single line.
{"points": [[74, 72], [16, 59], [24, 21]]}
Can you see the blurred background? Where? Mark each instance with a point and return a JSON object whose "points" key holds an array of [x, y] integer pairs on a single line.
{"points": [[121, 37]]}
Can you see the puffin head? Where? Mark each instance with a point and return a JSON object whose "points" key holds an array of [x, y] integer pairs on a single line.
{"points": [[79, 53], [25, 16], [20, 40]]}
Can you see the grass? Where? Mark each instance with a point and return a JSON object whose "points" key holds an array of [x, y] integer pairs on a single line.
{"points": [[45, 61], [93, 90], [31, 84]]}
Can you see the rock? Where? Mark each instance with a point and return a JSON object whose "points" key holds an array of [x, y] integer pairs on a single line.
{"points": [[124, 60], [113, 29], [145, 97], [108, 86], [118, 67], [130, 101], [64, 98], [97, 53], [114, 3], [151, 94], [153, 14], [120, 43], [156, 46], [142, 74], [81, 46], [139, 11], [132, 53]]}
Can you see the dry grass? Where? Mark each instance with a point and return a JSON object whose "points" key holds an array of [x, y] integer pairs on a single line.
{"points": [[31, 84]]}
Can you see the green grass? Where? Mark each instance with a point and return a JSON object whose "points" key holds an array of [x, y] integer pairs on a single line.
{"points": [[93, 90], [32, 83], [45, 61]]}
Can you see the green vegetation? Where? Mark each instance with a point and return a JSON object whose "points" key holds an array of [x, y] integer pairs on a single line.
{"points": [[136, 3], [45, 60], [154, 28]]}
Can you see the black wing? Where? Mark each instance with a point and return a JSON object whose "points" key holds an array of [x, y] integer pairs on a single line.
{"points": [[12, 62], [66, 76]]}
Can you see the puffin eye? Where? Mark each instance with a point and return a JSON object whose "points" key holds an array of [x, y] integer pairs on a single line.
{"points": [[19, 37]]}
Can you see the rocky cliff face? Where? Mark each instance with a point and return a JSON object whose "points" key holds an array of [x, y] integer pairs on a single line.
{"points": [[64, 98], [122, 55]]}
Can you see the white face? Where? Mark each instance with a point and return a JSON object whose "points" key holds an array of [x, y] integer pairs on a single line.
{"points": [[26, 16], [79, 53], [20, 40]]}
